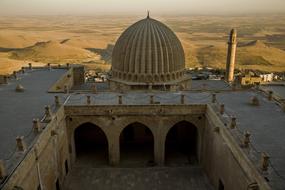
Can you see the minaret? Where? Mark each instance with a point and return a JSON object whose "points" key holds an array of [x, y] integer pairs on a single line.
{"points": [[231, 57]]}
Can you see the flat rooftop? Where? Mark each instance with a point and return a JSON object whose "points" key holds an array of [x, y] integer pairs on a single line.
{"points": [[18, 109], [265, 122]]}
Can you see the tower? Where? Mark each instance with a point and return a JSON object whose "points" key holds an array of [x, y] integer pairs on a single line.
{"points": [[232, 45]]}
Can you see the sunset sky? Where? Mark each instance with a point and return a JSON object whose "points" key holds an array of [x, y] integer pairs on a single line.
{"points": [[35, 7]]}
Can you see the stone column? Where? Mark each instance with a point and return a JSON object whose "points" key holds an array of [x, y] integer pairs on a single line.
{"points": [[3, 172], [182, 100], [88, 100], [36, 126], [246, 140], [114, 150], [222, 109], [48, 114], [233, 123], [120, 100], [21, 145], [158, 150], [57, 101], [264, 161], [214, 98], [159, 142], [151, 99]]}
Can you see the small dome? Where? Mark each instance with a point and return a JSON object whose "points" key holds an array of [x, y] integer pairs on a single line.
{"points": [[148, 51]]}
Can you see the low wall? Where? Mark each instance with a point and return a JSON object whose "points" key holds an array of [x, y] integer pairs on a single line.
{"points": [[223, 159], [218, 153], [74, 76], [43, 164]]}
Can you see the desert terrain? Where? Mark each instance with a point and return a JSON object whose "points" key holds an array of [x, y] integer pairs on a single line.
{"points": [[89, 40]]}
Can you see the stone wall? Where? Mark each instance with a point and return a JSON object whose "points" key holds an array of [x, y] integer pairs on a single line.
{"points": [[223, 159], [218, 153], [113, 119], [43, 163], [74, 76]]}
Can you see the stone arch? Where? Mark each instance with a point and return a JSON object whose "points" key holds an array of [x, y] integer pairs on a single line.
{"points": [[181, 143], [91, 144], [136, 145]]}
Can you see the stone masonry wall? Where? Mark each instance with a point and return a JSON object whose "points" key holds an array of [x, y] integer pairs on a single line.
{"points": [[43, 164]]}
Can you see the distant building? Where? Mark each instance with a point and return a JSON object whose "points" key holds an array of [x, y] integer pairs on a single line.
{"points": [[267, 77], [249, 80]]}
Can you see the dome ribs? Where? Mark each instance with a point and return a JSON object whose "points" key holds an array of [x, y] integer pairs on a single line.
{"points": [[130, 52], [155, 54], [165, 47], [124, 39], [148, 51], [160, 61], [143, 53], [138, 52]]}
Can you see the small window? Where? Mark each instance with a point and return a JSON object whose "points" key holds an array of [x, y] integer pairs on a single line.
{"points": [[57, 185], [221, 185], [66, 167]]}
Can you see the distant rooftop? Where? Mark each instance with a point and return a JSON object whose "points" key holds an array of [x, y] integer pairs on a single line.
{"points": [[18, 109]]}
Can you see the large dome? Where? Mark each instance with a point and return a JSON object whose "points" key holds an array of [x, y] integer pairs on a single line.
{"points": [[148, 52]]}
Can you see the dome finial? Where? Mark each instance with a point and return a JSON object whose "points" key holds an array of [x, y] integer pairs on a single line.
{"points": [[147, 14]]}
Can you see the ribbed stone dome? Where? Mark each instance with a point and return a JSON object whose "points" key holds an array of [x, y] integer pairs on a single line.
{"points": [[148, 51]]}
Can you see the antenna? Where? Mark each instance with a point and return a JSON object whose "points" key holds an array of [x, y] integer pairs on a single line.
{"points": [[147, 14]]}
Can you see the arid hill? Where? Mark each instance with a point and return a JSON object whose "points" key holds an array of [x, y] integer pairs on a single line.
{"points": [[250, 55], [52, 51], [75, 39]]}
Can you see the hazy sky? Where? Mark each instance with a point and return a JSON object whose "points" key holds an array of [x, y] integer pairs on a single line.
{"points": [[19, 7]]}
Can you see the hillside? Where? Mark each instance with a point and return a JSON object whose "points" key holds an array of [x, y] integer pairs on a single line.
{"points": [[52, 51], [76, 39], [250, 55]]}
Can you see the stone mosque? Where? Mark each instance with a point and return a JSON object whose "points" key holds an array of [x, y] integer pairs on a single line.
{"points": [[149, 126], [148, 55]]}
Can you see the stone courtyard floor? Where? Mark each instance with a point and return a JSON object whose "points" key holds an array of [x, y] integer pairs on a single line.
{"points": [[151, 178]]}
